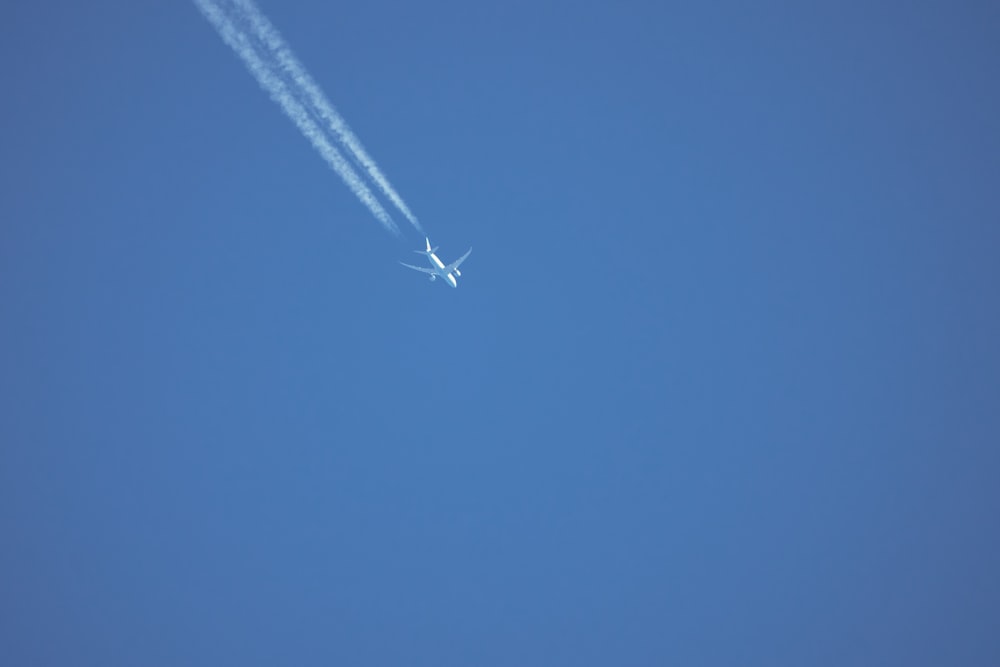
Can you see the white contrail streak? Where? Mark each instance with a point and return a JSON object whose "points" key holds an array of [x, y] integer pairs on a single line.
{"points": [[269, 35], [298, 114]]}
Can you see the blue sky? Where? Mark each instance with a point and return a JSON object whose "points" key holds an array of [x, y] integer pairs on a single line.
{"points": [[719, 385]]}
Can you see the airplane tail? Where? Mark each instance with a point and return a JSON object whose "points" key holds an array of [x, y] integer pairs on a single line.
{"points": [[429, 248]]}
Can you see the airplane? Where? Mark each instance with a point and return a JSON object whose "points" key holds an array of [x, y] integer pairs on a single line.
{"points": [[446, 273]]}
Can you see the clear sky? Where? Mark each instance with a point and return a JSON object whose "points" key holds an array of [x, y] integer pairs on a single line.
{"points": [[720, 384]]}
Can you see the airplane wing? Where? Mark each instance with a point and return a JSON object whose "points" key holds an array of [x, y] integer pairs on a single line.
{"points": [[454, 265], [419, 268]]}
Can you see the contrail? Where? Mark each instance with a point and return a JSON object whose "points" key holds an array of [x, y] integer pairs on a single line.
{"points": [[269, 35], [297, 113]]}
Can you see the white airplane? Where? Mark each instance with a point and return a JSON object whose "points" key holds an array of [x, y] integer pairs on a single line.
{"points": [[447, 273]]}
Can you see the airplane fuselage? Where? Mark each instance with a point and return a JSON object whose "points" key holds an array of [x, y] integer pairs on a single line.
{"points": [[439, 265]]}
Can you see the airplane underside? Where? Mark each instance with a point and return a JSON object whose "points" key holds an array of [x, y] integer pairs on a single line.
{"points": [[438, 269]]}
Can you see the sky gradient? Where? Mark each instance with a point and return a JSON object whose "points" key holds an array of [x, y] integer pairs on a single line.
{"points": [[720, 384]]}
